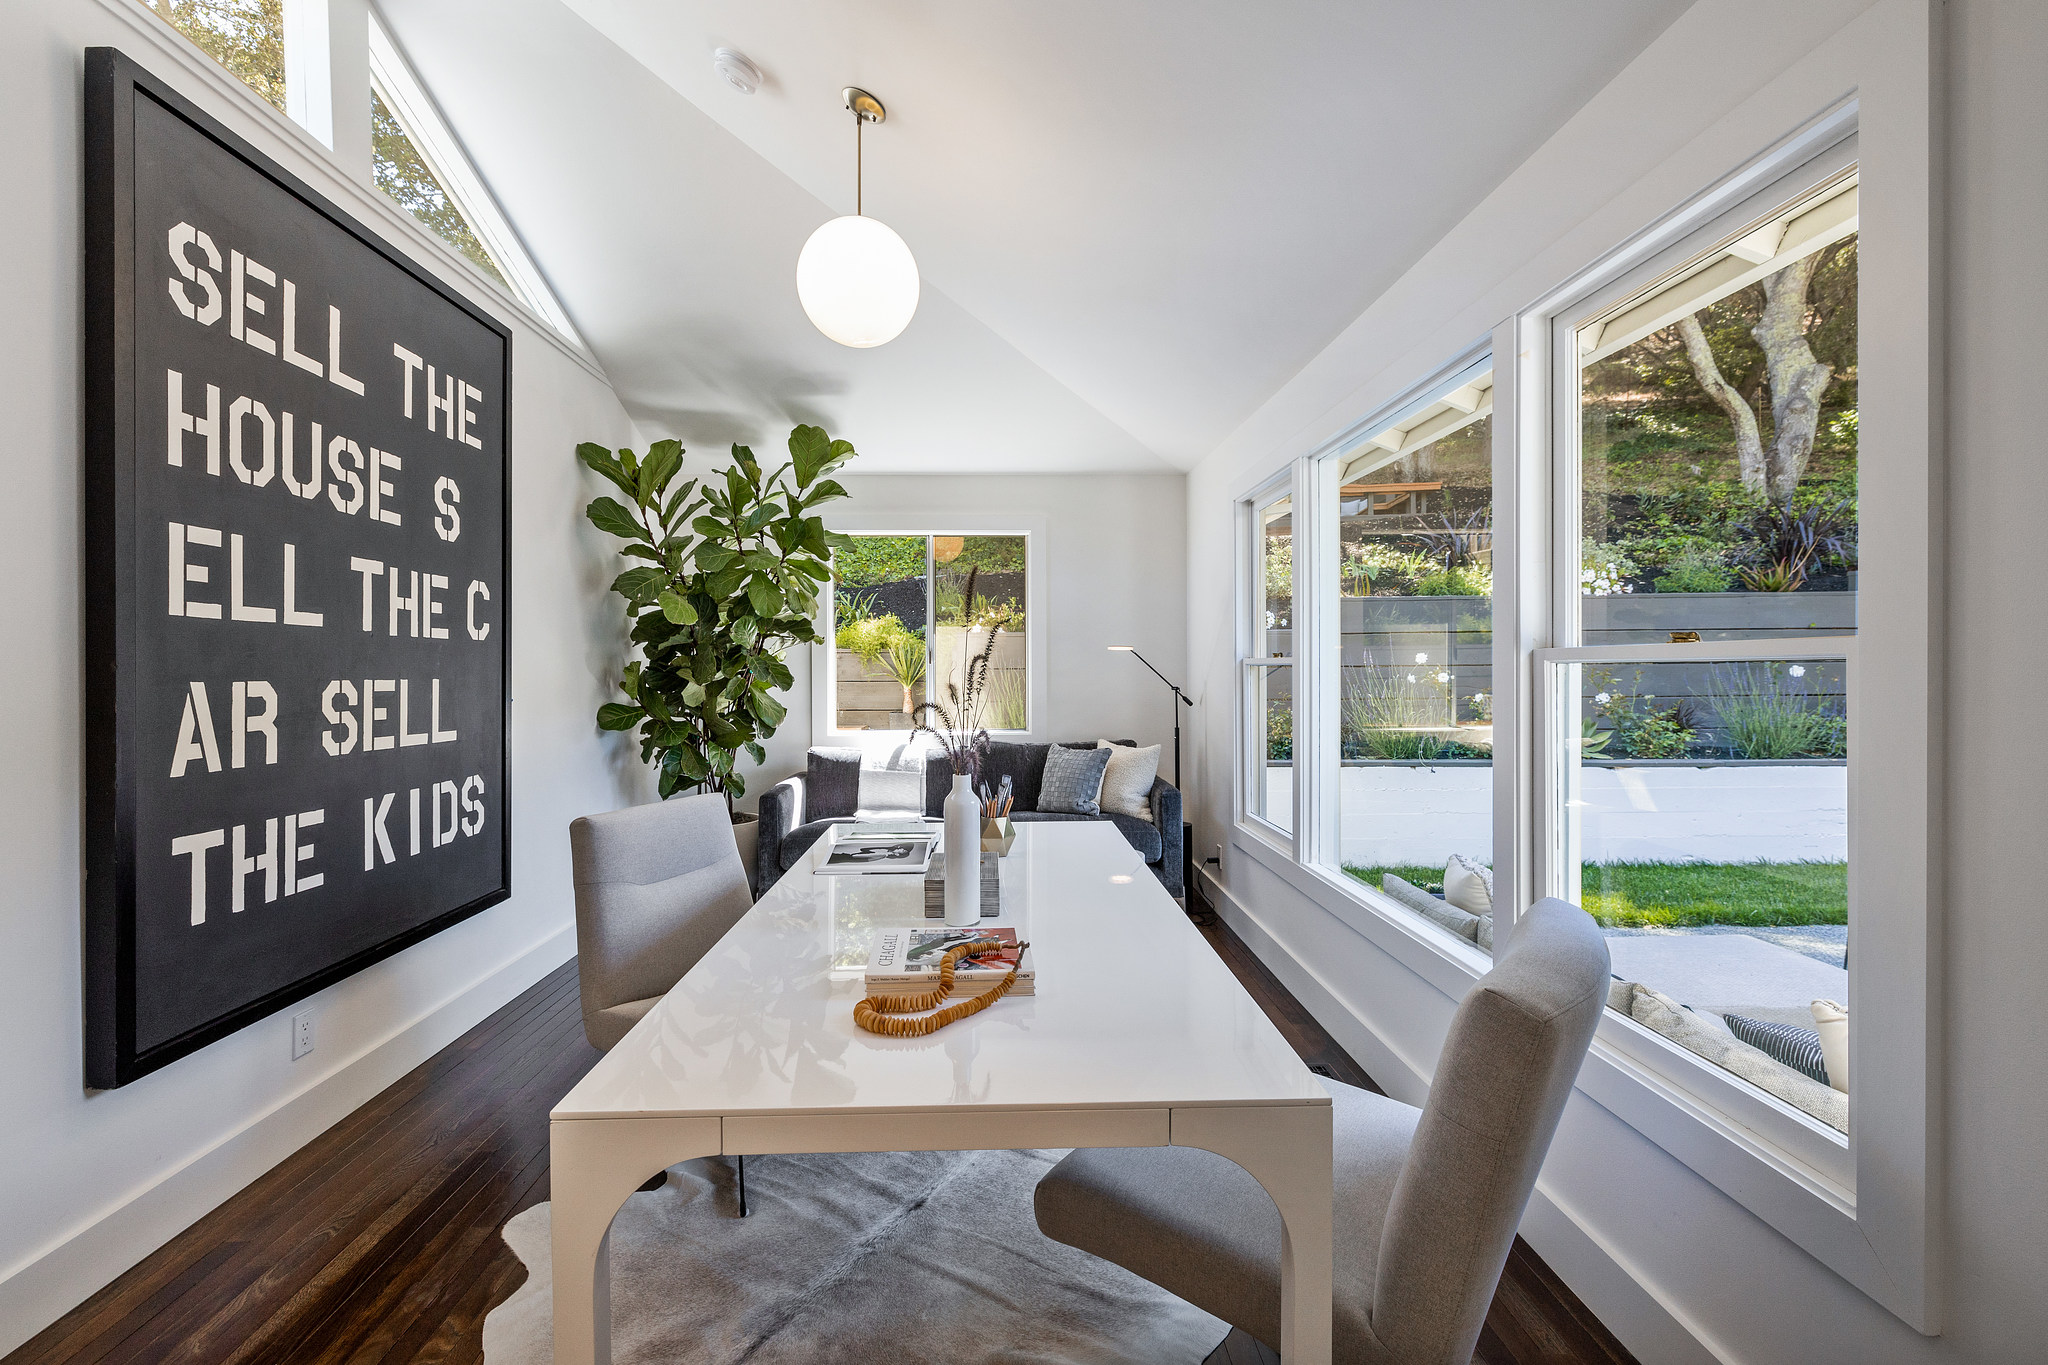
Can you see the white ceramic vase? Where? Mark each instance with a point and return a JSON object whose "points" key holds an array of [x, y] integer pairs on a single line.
{"points": [[963, 855]]}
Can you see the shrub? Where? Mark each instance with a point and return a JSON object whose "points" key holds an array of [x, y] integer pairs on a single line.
{"points": [[1696, 570], [872, 636], [1604, 570], [863, 561], [1467, 580], [1768, 714]]}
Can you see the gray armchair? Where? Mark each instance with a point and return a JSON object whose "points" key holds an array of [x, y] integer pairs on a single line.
{"points": [[656, 887], [1427, 1199]]}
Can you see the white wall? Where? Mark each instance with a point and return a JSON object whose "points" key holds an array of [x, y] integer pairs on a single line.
{"points": [[91, 1182], [1114, 551], [1680, 1271]]}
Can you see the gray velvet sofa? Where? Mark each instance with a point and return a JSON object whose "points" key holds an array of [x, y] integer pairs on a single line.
{"points": [[797, 811]]}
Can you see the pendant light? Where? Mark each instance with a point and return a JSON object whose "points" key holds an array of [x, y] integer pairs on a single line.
{"points": [[855, 277]]}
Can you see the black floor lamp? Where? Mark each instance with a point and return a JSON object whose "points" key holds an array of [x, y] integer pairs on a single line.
{"points": [[1187, 854], [1180, 698]]}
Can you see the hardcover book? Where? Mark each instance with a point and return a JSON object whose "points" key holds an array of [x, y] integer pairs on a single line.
{"points": [[906, 961]]}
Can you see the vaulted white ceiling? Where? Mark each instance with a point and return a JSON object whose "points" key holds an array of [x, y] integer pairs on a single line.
{"points": [[1135, 221]]}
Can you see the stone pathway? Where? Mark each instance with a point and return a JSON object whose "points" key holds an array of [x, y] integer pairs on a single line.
{"points": [[1827, 943]]}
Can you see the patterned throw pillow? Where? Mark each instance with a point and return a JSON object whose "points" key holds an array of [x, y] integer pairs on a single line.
{"points": [[1796, 1047], [1073, 781]]}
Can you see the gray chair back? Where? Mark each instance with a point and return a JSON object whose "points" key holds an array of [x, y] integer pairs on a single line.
{"points": [[656, 887], [1507, 1067]]}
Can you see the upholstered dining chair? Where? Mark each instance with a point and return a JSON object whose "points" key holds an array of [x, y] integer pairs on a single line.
{"points": [[1427, 1199], [656, 887]]}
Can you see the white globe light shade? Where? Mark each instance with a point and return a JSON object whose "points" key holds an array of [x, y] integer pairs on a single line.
{"points": [[857, 281]]}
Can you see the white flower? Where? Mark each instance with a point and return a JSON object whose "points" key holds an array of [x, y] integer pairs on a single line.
{"points": [[1798, 670], [1478, 696], [1422, 658], [1602, 698], [1442, 676], [1269, 620], [1411, 677]]}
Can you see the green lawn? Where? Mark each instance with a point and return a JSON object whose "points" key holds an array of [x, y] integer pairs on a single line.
{"points": [[1627, 895]]}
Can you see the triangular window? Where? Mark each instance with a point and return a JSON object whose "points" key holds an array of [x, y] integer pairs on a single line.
{"points": [[404, 174], [423, 168]]}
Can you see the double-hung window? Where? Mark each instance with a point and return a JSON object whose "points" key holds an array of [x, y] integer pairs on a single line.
{"points": [[1269, 771]]}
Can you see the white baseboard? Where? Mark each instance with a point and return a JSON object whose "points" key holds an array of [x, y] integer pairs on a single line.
{"points": [[1635, 1311], [50, 1282]]}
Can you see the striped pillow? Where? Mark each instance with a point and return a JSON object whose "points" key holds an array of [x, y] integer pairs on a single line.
{"points": [[1796, 1047]]}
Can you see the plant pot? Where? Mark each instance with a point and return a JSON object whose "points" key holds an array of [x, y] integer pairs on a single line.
{"points": [[997, 836], [746, 832]]}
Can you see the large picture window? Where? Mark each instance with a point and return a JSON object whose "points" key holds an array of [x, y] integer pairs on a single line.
{"points": [[1698, 732], [910, 613], [1269, 672], [1413, 582]]}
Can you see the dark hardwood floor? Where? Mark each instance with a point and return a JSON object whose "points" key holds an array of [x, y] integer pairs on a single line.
{"points": [[377, 1243]]}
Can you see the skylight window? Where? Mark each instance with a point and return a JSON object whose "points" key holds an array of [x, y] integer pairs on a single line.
{"points": [[423, 168]]}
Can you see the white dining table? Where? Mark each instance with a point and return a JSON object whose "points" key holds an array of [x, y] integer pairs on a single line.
{"points": [[1138, 1036]]}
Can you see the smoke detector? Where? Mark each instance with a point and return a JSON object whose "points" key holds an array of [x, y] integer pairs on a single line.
{"points": [[741, 74]]}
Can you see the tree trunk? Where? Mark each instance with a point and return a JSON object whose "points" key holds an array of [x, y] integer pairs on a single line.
{"points": [[1798, 377], [1749, 447]]}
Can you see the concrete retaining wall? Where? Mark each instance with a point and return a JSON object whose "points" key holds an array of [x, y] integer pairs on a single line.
{"points": [[1732, 813]]}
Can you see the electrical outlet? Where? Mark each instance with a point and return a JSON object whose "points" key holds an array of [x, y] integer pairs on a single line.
{"points": [[302, 1034], [1218, 859]]}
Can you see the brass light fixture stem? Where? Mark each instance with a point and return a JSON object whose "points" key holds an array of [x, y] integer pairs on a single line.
{"points": [[865, 109]]}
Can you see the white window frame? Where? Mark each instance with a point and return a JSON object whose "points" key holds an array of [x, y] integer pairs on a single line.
{"points": [[1253, 661], [824, 659], [395, 82], [1320, 837], [1874, 1220]]}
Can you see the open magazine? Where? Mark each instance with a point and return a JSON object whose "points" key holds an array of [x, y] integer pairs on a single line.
{"points": [[878, 854], [906, 961]]}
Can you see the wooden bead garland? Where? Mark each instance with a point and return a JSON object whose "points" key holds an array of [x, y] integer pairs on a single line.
{"points": [[873, 1013]]}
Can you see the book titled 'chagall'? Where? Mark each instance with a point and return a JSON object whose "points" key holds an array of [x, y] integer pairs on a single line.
{"points": [[906, 962]]}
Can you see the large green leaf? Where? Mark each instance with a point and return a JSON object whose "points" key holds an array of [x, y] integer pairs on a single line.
{"points": [[810, 449], [769, 710], [676, 609], [640, 586], [825, 492], [616, 715], [723, 584], [608, 514], [711, 528], [664, 458], [605, 463], [767, 601]]}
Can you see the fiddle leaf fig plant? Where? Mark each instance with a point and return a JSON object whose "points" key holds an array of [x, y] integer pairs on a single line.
{"points": [[726, 579]]}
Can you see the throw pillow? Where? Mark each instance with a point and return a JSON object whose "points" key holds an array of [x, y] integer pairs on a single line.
{"points": [[1484, 938], [1798, 1048], [1073, 781], [893, 783], [1127, 781], [831, 784], [1468, 884], [1659, 1013], [1831, 1021]]}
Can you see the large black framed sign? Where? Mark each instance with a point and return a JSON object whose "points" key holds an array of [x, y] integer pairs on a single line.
{"points": [[297, 587]]}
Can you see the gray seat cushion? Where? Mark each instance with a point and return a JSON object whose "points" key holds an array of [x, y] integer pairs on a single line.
{"points": [[1198, 1225], [1142, 834]]}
